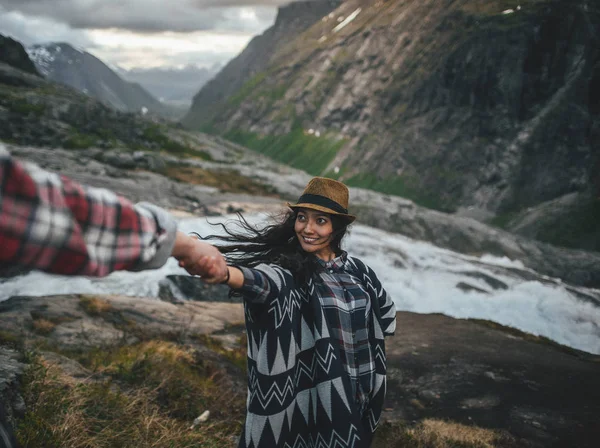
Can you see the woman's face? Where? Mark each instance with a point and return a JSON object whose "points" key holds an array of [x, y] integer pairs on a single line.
{"points": [[314, 230]]}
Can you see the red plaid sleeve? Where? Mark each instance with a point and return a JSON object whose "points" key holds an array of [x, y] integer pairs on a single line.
{"points": [[51, 223]]}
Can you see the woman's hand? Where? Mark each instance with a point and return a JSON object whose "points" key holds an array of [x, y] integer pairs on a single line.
{"points": [[200, 258]]}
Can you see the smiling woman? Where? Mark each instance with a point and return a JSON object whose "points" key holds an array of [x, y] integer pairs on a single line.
{"points": [[316, 319]]}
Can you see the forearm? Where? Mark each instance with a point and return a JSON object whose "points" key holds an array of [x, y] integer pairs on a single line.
{"points": [[51, 223], [236, 278]]}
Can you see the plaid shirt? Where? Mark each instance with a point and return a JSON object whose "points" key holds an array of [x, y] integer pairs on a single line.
{"points": [[347, 308], [307, 339], [51, 223]]}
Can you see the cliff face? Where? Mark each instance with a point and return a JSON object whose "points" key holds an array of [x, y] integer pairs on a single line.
{"points": [[12, 53], [291, 20], [480, 105]]}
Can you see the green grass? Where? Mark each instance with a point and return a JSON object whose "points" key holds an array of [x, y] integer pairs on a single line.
{"points": [[575, 229], [23, 107], [246, 90], [143, 395], [298, 149], [398, 186], [503, 220], [571, 230], [78, 141]]}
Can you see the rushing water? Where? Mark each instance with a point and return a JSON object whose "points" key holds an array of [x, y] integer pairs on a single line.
{"points": [[420, 277]]}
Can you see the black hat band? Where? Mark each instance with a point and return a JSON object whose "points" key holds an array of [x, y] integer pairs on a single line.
{"points": [[316, 199]]}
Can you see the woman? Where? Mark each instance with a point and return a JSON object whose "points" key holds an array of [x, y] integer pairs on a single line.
{"points": [[316, 320]]}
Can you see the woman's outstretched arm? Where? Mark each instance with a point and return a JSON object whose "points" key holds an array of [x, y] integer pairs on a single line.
{"points": [[258, 285]]}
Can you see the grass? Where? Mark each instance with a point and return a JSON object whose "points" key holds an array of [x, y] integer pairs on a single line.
{"points": [[95, 306], [144, 395], [227, 181], [10, 340], [23, 107], [296, 148], [574, 229], [246, 90], [433, 433], [571, 231], [43, 326], [77, 140], [236, 355], [148, 394], [398, 186]]}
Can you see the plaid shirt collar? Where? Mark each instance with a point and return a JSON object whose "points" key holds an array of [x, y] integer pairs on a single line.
{"points": [[337, 264]]}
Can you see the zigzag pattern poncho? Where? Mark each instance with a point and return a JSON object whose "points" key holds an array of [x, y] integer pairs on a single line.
{"points": [[299, 394]]}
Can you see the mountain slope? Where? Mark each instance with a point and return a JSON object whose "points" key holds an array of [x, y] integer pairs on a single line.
{"points": [[13, 53], [291, 20], [62, 63], [484, 106]]}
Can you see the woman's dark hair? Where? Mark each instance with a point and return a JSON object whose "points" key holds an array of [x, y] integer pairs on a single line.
{"points": [[276, 243]]}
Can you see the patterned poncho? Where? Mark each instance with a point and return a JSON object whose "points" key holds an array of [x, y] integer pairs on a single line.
{"points": [[303, 391]]}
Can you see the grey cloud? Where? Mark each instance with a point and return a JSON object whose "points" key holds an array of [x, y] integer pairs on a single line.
{"points": [[152, 15], [30, 31]]}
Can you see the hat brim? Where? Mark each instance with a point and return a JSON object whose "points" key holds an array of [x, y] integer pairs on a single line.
{"points": [[320, 208]]}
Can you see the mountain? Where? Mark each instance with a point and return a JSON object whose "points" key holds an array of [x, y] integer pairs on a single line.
{"points": [[485, 108], [291, 21], [13, 53], [62, 63], [172, 84]]}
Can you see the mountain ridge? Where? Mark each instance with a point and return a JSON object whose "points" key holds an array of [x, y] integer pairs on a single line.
{"points": [[62, 63]]}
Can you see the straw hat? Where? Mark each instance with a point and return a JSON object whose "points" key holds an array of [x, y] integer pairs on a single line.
{"points": [[325, 195]]}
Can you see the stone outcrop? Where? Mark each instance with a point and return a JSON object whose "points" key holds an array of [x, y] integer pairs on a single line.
{"points": [[88, 321]]}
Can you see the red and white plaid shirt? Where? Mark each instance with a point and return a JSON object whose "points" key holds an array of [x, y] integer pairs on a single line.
{"points": [[51, 223]]}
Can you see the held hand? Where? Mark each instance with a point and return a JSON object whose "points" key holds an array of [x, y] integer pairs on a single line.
{"points": [[210, 269], [200, 258]]}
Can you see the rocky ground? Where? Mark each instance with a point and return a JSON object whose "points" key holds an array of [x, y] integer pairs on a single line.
{"points": [[451, 382]]}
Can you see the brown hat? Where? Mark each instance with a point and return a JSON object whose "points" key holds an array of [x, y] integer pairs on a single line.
{"points": [[325, 195]]}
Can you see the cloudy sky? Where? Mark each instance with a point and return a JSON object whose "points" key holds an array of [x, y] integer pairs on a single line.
{"points": [[142, 34]]}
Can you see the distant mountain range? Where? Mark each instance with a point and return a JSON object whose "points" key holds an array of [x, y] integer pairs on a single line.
{"points": [[62, 63], [171, 85]]}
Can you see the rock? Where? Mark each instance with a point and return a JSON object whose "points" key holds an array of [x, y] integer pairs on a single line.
{"points": [[12, 405], [121, 319], [466, 287], [175, 288], [470, 373], [429, 395]]}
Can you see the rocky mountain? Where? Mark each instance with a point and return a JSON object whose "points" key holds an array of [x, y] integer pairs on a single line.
{"points": [[13, 53], [36, 111], [485, 108], [292, 20], [62, 63]]}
